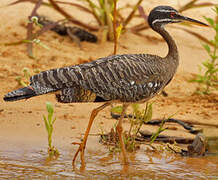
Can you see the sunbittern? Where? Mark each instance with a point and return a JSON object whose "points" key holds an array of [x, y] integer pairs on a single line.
{"points": [[123, 78]]}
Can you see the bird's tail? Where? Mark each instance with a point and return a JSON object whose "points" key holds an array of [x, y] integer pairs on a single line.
{"points": [[22, 93]]}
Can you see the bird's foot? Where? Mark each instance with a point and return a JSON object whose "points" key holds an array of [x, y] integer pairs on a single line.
{"points": [[80, 149]]}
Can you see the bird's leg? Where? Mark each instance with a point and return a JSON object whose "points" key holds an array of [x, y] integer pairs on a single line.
{"points": [[82, 145], [119, 130]]}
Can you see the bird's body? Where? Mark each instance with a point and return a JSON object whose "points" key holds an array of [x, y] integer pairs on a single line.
{"points": [[124, 78]]}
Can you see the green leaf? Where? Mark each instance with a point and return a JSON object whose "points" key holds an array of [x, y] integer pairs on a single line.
{"points": [[210, 21], [111, 16], [135, 107], [216, 27], [44, 46], [207, 64], [46, 123], [160, 129], [119, 30], [53, 121], [206, 47], [216, 37], [148, 113], [117, 109], [216, 9], [26, 73], [49, 107]]}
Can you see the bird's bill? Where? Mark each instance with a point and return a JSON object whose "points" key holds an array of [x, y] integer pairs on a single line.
{"points": [[193, 21]]}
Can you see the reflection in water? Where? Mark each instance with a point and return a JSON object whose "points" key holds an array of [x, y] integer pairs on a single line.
{"points": [[146, 165]]}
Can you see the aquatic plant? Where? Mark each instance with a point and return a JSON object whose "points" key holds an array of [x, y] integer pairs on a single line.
{"points": [[136, 119], [157, 133], [49, 122], [139, 118]]}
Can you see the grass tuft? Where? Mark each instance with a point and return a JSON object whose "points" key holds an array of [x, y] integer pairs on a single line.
{"points": [[49, 122]]}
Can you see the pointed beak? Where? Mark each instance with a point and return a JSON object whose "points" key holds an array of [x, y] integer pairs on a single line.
{"points": [[193, 21]]}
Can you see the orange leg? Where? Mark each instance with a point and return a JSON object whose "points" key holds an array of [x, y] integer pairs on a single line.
{"points": [[119, 129], [82, 145]]}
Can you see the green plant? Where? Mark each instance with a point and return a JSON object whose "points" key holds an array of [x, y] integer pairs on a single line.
{"points": [[49, 122], [32, 38], [137, 119], [208, 81], [160, 129], [24, 79], [157, 133], [103, 12]]}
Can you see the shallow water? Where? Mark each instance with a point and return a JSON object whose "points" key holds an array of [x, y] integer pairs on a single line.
{"points": [[32, 164]]}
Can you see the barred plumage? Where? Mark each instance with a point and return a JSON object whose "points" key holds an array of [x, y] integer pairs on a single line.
{"points": [[128, 78]]}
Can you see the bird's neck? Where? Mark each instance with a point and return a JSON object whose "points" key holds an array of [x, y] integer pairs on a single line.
{"points": [[173, 54]]}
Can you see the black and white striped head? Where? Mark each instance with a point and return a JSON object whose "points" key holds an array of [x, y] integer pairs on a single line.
{"points": [[162, 15]]}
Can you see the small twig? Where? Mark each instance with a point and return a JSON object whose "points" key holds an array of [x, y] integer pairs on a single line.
{"points": [[47, 27], [157, 122], [30, 29], [74, 38], [129, 18], [139, 27], [187, 122], [75, 5], [163, 138], [76, 143], [187, 6], [107, 9], [94, 13], [191, 5], [23, 1], [142, 26], [142, 13], [173, 149], [164, 93], [70, 18], [94, 134], [157, 133]]}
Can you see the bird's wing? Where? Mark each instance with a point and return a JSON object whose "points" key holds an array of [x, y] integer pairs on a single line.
{"points": [[125, 77]]}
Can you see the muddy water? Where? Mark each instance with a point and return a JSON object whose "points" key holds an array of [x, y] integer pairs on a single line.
{"points": [[31, 163]]}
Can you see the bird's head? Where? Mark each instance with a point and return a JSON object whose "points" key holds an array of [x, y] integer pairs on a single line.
{"points": [[162, 15]]}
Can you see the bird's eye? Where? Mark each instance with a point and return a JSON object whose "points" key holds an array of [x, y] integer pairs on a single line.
{"points": [[172, 14]]}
